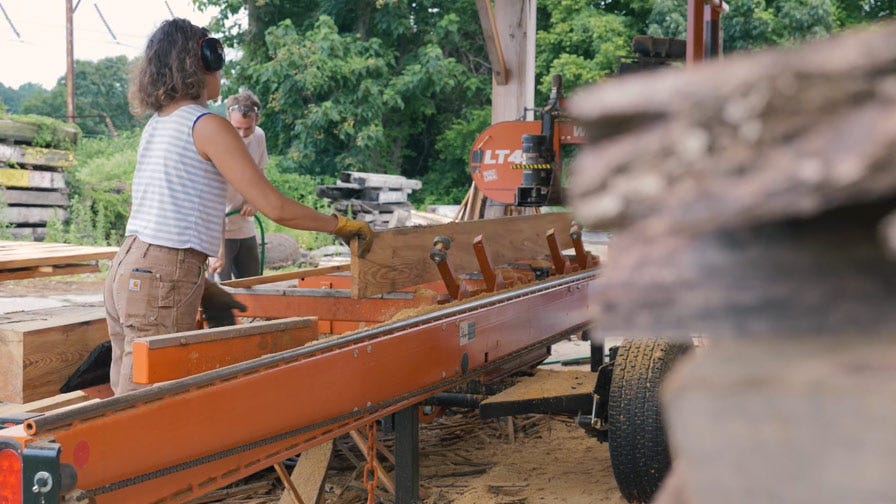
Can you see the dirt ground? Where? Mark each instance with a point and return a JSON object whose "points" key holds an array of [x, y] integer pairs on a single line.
{"points": [[463, 459]]}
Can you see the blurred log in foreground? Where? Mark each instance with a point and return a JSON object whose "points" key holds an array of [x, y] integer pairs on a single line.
{"points": [[753, 200], [748, 194]]}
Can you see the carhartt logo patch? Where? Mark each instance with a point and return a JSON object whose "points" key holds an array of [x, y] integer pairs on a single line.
{"points": [[134, 285]]}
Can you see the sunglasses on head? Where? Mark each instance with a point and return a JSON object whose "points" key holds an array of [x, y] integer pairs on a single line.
{"points": [[243, 110]]}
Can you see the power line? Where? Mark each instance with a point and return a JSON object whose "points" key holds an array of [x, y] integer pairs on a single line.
{"points": [[10, 22], [103, 19]]}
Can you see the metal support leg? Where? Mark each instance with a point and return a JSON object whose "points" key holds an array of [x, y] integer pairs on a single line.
{"points": [[407, 456]]}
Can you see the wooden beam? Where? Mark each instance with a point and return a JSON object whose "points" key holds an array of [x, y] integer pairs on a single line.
{"points": [[282, 277], [290, 491], [492, 41], [33, 198], [34, 179], [40, 349], [515, 28], [172, 356], [15, 254], [399, 257], [15, 130], [46, 271], [33, 215], [36, 156], [309, 473], [46, 404]]}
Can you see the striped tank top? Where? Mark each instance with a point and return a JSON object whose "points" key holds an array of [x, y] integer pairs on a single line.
{"points": [[177, 197]]}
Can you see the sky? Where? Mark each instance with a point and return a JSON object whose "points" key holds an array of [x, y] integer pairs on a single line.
{"points": [[38, 53]]}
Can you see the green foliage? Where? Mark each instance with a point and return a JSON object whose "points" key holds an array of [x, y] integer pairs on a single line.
{"points": [[449, 179], [669, 18], [358, 85], [302, 188], [100, 91], [580, 42], [13, 97], [100, 183]]}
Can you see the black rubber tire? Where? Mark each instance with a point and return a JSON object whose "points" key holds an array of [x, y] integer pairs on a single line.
{"points": [[639, 452]]}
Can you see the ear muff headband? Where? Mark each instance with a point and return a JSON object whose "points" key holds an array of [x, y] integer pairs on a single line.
{"points": [[212, 52]]}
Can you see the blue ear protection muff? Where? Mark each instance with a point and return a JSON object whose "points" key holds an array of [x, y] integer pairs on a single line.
{"points": [[212, 52]]}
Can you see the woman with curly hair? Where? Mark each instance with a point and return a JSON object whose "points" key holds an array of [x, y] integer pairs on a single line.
{"points": [[185, 160]]}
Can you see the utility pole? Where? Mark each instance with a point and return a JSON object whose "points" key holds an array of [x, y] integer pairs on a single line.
{"points": [[69, 63]]}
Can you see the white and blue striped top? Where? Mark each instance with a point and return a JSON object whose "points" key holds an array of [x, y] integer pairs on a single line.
{"points": [[177, 197]]}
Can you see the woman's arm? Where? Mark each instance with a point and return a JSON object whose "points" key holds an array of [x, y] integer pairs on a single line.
{"points": [[216, 140]]}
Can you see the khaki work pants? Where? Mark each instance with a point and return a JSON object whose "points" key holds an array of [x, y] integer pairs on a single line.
{"points": [[151, 290]]}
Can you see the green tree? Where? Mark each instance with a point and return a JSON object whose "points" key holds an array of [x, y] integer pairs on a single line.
{"points": [[579, 41], [101, 89], [13, 97], [361, 85]]}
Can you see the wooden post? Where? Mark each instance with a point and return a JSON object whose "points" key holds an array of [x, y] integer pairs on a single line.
{"points": [[69, 62], [512, 32]]}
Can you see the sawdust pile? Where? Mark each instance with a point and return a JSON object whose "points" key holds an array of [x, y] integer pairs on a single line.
{"points": [[466, 460]]}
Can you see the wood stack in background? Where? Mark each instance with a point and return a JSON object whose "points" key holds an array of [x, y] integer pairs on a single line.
{"points": [[370, 197], [32, 179]]}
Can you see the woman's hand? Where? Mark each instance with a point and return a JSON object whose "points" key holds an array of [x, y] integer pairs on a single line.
{"points": [[248, 210], [215, 264]]}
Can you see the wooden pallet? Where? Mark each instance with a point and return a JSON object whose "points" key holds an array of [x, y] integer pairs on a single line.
{"points": [[20, 260]]}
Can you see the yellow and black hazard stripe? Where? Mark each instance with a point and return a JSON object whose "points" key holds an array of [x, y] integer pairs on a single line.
{"points": [[537, 166]]}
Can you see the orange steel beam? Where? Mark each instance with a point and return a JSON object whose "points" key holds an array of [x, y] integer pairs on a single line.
{"points": [[173, 356], [334, 305], [181, 439]]}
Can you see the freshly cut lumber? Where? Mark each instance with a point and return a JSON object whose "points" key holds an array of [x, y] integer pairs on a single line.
{"points": [[36, 156], [173, 356], [43, 405], [34, 179], [282, 277], [14, 254], [400, 257], [40, 349], [45, 271]]}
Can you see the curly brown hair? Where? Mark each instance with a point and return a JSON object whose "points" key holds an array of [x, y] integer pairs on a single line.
{"points": [[170, 68]]}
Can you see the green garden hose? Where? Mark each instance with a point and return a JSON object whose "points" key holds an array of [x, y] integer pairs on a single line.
{"points": [[260, 232]]}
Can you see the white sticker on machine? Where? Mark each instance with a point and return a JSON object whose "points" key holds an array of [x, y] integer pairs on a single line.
{"points": [[467, 332]]}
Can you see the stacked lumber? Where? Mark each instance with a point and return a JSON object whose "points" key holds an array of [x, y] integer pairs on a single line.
{"points": [[20, 260], [32, 179], [370, 197]]}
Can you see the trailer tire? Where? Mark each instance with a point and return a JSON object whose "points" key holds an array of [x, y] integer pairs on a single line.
{"points": [[639, 452]]}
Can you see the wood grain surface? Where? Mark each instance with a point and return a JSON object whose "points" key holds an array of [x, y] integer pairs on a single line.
{"points": [[399, 257]]}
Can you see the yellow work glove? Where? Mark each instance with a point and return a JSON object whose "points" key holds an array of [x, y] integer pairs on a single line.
{"points": [[346, 229], [218, 305]]}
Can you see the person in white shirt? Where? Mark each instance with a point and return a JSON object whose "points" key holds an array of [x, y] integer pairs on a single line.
{"points": [[239, 256]]}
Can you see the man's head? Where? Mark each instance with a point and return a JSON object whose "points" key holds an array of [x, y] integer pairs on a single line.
{"points": [[243, 111]]}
